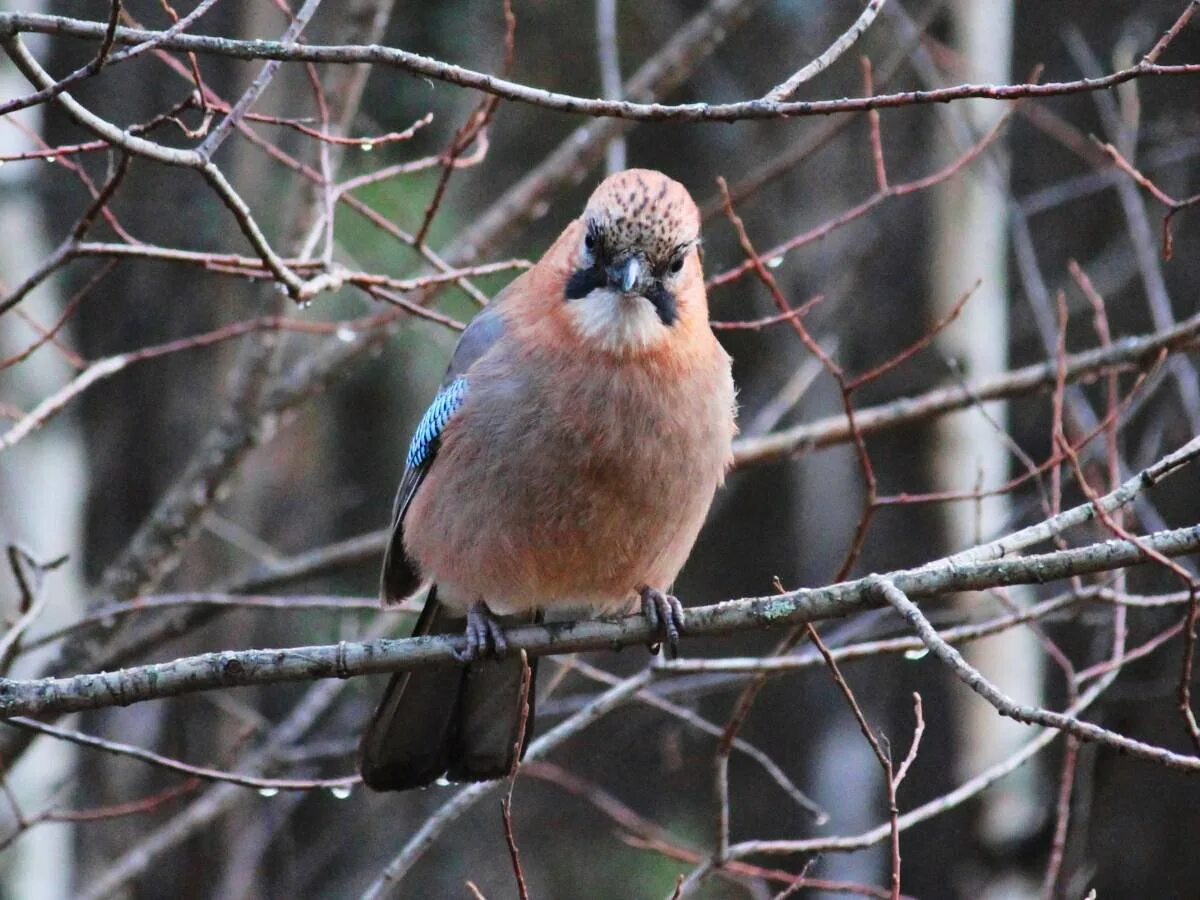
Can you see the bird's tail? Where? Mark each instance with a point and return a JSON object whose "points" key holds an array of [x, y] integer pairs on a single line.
{"points": [[461, 722]]}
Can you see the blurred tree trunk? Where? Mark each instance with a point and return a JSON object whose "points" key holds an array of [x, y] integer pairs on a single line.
{"points": [[137, 427], [968, 452], [42, 491]]}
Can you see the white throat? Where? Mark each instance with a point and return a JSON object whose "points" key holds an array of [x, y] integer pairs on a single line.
{"points": [[616, 322]]}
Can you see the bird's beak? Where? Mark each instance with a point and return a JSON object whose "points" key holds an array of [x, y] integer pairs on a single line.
{"points": [[627, 275]]}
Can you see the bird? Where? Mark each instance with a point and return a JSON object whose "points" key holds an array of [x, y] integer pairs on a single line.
{"points": [[567, 463]]}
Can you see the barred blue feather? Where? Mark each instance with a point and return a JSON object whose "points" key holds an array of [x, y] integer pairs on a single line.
{"points": [[400, 575], [429, 431]]}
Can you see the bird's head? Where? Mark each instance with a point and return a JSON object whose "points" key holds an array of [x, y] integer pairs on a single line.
{"points": [[636, 269]]}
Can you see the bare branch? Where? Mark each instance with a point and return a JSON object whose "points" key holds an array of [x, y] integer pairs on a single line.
{"points": [[12, 23], [345, 659], [1006, 706], [870, 420], [218, 134], [204, 773]]}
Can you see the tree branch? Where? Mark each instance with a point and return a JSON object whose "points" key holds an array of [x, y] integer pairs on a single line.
{"points": [[1006, 706], [1131, 351], [345, 659], [416, 64]]}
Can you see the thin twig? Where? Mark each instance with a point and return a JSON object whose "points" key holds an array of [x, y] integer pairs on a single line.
{"points": [[417, 64], [204, 773], [883, 756], [844, 42], [1008, 707]]}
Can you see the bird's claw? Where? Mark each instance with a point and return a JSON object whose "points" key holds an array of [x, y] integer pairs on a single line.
{"points": [[664, 613], [484, 635]]}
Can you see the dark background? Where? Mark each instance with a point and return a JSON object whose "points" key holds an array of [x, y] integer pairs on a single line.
{"points": [[330, 470]]}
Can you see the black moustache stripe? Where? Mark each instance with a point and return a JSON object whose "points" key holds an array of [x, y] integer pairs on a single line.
{"points": [[583, 282], [664, 304]]}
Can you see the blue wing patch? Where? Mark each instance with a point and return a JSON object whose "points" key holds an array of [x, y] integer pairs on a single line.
{"points": [[429, 431], [400, 574]]}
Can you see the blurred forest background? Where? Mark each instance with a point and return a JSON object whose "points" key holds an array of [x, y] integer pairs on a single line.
{"points": [[154, 484]]}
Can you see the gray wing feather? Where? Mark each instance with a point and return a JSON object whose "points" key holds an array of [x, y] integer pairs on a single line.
{"points": [[400, 576], [483, 332]]}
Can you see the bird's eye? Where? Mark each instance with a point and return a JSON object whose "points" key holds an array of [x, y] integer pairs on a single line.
{"points": [[677, 265], [589, 241]]}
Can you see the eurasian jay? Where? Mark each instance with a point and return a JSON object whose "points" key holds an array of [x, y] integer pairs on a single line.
{"points": [[568, 461]]}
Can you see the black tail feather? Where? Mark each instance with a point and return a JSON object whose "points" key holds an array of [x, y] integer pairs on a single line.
{"points": [[462, 722], [490, 718]]}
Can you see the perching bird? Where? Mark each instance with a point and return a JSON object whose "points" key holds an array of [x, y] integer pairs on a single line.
{"points": [[567, 462]]}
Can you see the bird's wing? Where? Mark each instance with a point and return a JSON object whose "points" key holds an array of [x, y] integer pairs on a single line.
{"points": [[400, 577]]}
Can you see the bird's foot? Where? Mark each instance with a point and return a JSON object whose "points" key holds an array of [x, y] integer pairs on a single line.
{"points": [[484, 635], [665, 615]]}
